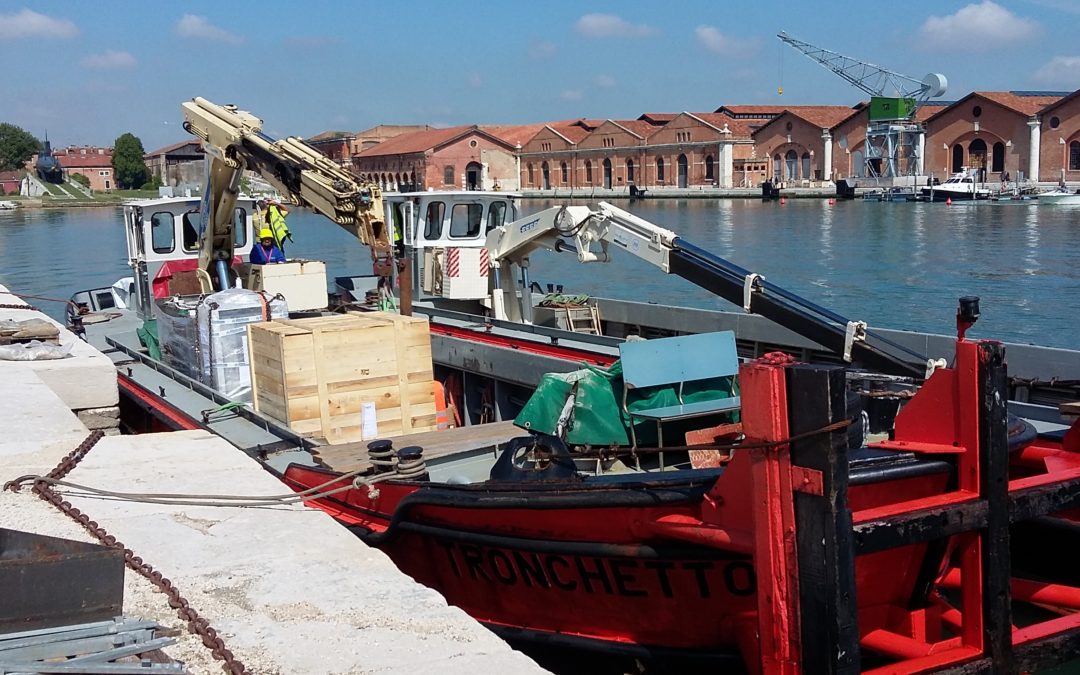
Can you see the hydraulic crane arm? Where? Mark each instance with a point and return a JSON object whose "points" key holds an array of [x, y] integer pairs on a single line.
{"points": [[591, 232], [234, 141]]}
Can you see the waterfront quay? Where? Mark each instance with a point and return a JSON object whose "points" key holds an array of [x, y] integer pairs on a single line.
{"points": [[287, 589]]}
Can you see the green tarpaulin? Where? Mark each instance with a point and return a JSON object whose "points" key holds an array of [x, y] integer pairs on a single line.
{"points": [[148, 336], [598, 418]]}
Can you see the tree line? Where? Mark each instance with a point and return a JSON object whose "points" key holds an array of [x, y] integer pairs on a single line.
{"points": [[17, 146]]}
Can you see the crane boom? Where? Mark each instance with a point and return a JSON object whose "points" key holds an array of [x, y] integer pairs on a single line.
{"points": [[872, 79], [234, 141], [588, 231]]}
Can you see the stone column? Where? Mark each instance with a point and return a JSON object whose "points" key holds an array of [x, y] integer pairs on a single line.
{"points": [[725, 165], [826, 170], [920, 150], [1033, 150]]}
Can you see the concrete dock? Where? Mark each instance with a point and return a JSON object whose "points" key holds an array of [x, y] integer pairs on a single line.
{"points": [[288, 589]]}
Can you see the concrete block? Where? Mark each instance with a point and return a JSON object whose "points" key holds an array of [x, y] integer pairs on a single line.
{"points": [[86, 379], [100, 418], [36, 428], [291, 590]]}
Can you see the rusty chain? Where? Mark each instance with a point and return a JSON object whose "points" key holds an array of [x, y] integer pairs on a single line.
{"points": [[8, 305], [195, 623]]}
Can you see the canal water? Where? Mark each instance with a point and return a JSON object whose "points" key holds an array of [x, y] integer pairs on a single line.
{"points": [[892, 265]]}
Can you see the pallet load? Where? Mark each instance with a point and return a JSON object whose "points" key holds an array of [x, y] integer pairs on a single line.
{"points": [[347, 377], [205, 337]]}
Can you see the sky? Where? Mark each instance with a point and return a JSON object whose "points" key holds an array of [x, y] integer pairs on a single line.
{"points": [[87, 72]]}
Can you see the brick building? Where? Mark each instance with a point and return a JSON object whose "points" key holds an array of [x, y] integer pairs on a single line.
{"points": [[181, 163], [554, 145], [457, 158], [337, 145], [94, 163], [1059, 139], [798, 143], [991, 132], [10, 182]]}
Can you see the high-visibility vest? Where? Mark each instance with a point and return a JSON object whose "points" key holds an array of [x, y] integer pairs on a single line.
{"points": [[275, 220]]}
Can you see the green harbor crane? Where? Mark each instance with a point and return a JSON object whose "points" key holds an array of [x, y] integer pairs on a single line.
{"points": [[894, 137]]}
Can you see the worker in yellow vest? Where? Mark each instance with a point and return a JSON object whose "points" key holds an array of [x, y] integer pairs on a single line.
{"points": [[275, 221]]}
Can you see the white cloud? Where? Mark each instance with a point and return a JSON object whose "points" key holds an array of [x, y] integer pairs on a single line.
{"points": [[570, 95], [604, 81], [193, 26], [108, 60], [542, 50], [976, 28], [1060, 71], [475, 81], [609, 25], [29, 24], [712, 40]]}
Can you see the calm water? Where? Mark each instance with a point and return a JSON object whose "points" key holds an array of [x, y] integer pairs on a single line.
{"points": [[893, 265]]}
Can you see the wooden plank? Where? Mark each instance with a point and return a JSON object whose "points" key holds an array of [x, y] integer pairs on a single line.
{"points": [[352, 456]]}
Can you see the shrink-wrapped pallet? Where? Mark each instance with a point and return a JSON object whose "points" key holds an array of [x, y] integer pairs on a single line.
{"points": [[205, 337]]}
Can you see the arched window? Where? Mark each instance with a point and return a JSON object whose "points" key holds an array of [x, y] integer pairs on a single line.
{"points": [[607, 174], [791, 168], [977, 157], [777, 170], [709, 168], [588, 172], [545, 176], [1074, 156], [660, 169], [630, 171], [684, 171], [448, 175], [997, 161], [529, 167], [806, 165], [957, 158], [565, 173]]}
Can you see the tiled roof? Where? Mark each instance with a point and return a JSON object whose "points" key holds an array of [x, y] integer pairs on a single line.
{"points": [[384, 131], [570, 129], [330, 136], [639, 127], [824, 116], [739, 128], [174, 147], [931, 108], [1061, 101], [658, 119], [516, 134], [91, 161], [422, 141], [1026, 104], [772, 110]]}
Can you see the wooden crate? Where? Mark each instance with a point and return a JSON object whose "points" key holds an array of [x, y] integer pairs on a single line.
{"points": [[316, 374]]}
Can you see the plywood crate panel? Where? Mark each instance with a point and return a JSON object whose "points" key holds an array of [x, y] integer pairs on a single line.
{"points": [[316, 374]]}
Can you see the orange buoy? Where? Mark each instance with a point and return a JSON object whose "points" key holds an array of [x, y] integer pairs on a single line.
{"points": [[442, 416], [831, 202], [782, 201], [948, 201]]}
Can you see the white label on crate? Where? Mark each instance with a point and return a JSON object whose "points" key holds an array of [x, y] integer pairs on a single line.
{"points": [[370, 428]]}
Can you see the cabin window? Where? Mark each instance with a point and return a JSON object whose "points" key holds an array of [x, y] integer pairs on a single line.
{"points": [[240, 227], [448, 176], [191, 231], [162, 232], [660, 169], [497, 215], [1074, 156], [433, 220], [709, 169], [465, 220]]}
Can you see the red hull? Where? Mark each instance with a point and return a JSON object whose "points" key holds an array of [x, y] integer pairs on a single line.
{"points": [[608, 563]]}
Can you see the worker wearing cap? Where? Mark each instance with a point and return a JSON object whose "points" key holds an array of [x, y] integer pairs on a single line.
{"points": [[266, 251], [275, 220]]}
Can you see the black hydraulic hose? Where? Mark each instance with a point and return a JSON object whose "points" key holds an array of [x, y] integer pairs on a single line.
{"points": [[794, 312]]}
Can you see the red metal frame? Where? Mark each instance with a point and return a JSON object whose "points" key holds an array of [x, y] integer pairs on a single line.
{"points": [[544, 349], [171, 414]]}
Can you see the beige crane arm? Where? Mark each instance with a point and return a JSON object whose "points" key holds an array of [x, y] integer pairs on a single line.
{"points": [[234, 141]]}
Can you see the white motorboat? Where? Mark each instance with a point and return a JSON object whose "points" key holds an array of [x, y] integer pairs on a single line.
{"points": [[960, 186], [1060, 197], [7, 205]]}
